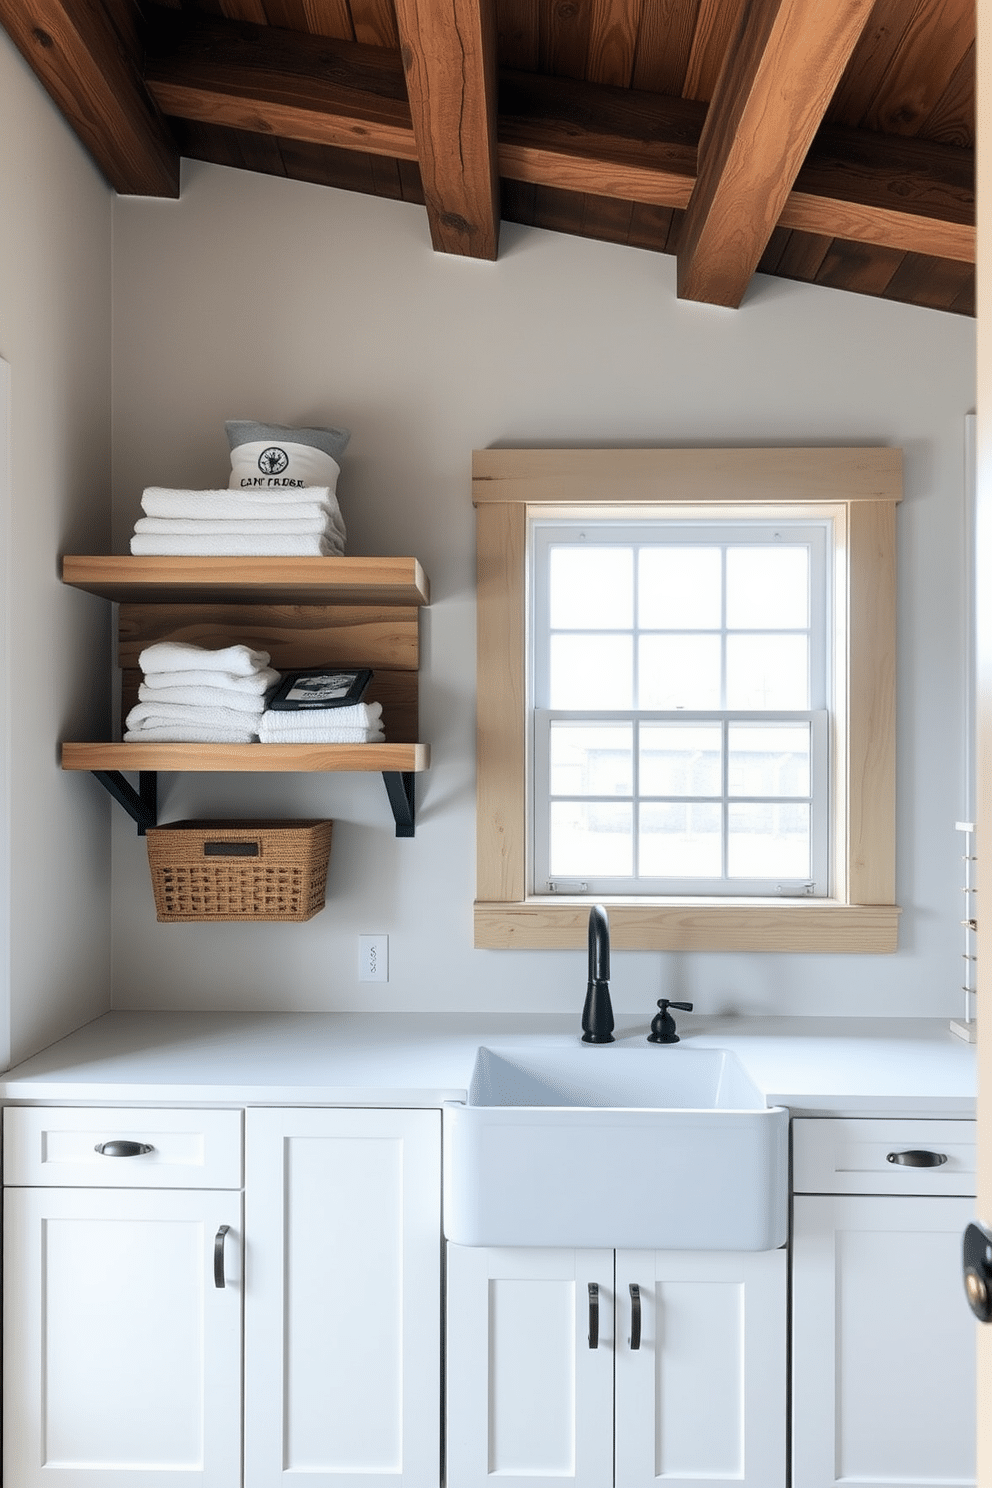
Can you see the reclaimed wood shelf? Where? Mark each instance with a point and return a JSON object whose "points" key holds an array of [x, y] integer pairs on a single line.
{"points": [[258, 758], [303, 611], [262, 581]]}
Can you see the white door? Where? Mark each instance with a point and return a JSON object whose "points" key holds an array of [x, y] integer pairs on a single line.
{"points": [[701, 1375], [529, 1368], [343, 1298], [122, 1356], [883, 1345]]}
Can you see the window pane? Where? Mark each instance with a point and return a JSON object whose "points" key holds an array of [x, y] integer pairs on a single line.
{"points": [[591, 671], [769, 761], [591, 588], [767, 671], [768, 588], [768, 841], [591, 761], [679, 672], [680, 760], [680, 841], [679, 588], [591, 837]]}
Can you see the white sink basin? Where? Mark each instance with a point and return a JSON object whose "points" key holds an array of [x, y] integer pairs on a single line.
{"points": [[653, 1147]]}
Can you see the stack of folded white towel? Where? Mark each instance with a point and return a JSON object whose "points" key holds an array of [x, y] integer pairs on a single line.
{"points": [[359, 724], [297, 521], [194, 695]]}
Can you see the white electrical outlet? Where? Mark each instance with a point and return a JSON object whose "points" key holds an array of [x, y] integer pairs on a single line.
{"points": [[373, 958]]}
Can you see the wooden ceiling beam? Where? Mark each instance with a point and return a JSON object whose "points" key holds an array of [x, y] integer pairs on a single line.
{"points": [[92, 71], [896, 192], [448, 48], [607, 141], [271, 81], [780, 72], [619, 143]]}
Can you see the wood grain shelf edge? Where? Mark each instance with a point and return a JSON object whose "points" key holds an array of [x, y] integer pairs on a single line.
{"points": [[247, 758]]}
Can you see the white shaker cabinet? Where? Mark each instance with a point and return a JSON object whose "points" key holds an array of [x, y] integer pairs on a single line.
{"points": [[883, 1341], [588, 1367], [343, 1306], [122, 1299]]}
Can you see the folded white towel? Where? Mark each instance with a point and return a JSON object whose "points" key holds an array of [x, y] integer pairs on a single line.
{"points": [[255, 686], [238, 545], [256, 511], [186, 733], [157, 714], [295, 501], [324, 735], [223, 526], [359, 715], [179, 656], [249, 703]]}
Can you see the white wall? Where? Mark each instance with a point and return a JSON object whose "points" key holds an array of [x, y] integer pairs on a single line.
{"points": [[256, 297], [55, 238]]}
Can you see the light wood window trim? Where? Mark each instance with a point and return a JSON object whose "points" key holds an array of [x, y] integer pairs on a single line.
{"points": [[860, 488]]}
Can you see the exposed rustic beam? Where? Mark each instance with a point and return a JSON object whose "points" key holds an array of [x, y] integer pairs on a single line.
{"points": [[606, 141], [781, 70], [628, 145], [448, 49], [912, 194], [271, 81], [92, 70]]}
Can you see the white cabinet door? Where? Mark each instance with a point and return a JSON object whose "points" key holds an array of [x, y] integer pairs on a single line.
{"points": [[529, 1399], [701, 1401], [122, 1357], [342, 1298], [883, 1343]]}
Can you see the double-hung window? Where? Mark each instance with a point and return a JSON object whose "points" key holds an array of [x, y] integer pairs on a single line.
{"points": [[686, 697], [680, 675]]}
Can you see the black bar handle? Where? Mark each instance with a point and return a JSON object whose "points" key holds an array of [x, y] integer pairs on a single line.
{"points": [[635, 1315], [594, 1315], [917, 1158], [121, 1147], [220, 1279]]}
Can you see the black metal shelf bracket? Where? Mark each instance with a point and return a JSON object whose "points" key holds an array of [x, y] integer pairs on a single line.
{"points": [[399, 789], [140, 804]]}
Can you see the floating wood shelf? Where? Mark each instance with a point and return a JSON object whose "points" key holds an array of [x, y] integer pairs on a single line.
{"points": [[260, 581], [303, 611], [257, 758]]}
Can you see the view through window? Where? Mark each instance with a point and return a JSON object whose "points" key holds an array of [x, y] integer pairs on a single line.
{"points": [[680, 682]]}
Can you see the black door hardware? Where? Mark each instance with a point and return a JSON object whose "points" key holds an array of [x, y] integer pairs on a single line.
{"points": [[977, 1259]]}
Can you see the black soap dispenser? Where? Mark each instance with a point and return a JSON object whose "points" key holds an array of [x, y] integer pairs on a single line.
{"points": [[663, 1024]]}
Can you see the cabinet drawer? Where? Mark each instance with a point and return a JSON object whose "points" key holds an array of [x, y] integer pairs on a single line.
{"points": [[847, 1156], [50, 1146]]}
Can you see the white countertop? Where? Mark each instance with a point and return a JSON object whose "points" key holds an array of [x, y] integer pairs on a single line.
{"points": [[815, 1066]]}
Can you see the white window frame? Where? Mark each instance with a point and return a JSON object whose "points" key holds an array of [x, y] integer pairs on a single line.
{"points": [[543, 536], [858, 489]]}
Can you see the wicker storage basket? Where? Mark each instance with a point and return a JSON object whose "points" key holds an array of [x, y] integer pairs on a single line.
{"points": [[239, 870]]}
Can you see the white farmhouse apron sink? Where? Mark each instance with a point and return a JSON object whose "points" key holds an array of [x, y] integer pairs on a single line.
{"points": [[660, 1148]]}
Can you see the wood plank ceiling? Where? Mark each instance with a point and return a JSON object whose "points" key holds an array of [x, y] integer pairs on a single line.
{"points": [[830, 141]]}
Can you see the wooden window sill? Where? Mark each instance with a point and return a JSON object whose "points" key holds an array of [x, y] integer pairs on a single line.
{"points": [[802, 926]]}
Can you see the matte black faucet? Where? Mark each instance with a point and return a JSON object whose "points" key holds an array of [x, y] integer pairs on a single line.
{"points": [[597, 1014]]}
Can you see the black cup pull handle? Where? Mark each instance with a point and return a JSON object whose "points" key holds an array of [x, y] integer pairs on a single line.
{"points": [[594, 1315], [121, 1147], [917, 1158], [635, 1315], [220, 1280]]}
